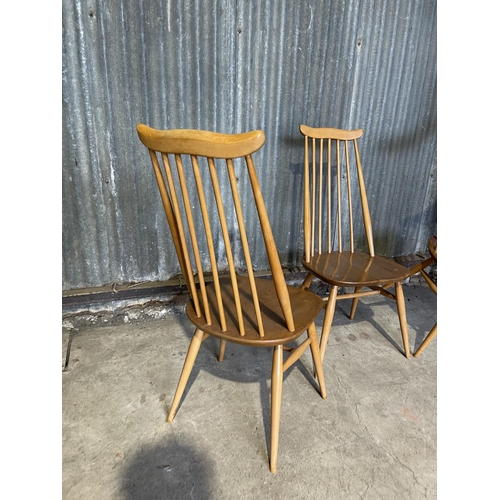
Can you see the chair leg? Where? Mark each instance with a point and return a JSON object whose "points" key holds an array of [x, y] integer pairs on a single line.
{"points": [[327, 322], [193, 350], [307, 281], [400, 301], [427, 341], [276, 390], [222, 349], [355, 302], [316, 355]]}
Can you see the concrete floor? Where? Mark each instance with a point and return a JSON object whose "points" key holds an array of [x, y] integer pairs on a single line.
{"points": [[373, 438]]}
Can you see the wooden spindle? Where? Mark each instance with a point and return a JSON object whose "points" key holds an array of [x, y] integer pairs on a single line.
{"points": [[182, 235], [244, 243], [364, 202], [227, 244], [194, 238], [339, 197], [329, 181], [307, 201], [210, 243], [320, 197], [167, 205], [349, 196], [272, 252], [313, 201]]}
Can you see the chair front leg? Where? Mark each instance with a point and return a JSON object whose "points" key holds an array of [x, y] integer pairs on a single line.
{"points": [[276, 391], [193, 350], [316, 355], [400, 302], [327, 322]]}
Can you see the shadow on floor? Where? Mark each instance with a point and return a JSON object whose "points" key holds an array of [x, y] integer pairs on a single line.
{"points": [[170, 471]]}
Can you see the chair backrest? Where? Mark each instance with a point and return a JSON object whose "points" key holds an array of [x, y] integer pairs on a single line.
{"points": [[329, 189], [196, 170]]}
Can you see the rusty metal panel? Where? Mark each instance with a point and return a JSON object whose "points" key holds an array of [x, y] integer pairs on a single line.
{"points": [[233, 66]]}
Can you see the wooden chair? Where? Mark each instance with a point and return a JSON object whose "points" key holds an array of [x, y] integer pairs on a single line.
{"points": [[433, 250], [330, 219], [203, 169]]}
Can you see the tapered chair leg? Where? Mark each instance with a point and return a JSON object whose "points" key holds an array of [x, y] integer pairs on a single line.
{"points": [[355, 302], [222, 349], [327, 322], [276, 390], [193, 350], [307, 281], [400, 301], [427, 341], [316, 355]]}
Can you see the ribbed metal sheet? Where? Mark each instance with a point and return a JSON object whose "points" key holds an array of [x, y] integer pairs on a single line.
{"points": [[234, 66]]}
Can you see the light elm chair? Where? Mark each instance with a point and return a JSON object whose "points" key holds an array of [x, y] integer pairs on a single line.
{"points": [[199, 174], [335, 214]]}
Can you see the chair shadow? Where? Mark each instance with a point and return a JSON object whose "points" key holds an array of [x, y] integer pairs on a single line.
{"points": [[170, 470]]}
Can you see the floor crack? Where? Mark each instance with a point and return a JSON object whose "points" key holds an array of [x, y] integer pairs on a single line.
{"points": [[68, 351]]}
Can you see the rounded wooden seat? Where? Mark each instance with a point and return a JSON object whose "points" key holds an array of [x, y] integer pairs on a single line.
{"points": [[355, 269], [305, 307]]}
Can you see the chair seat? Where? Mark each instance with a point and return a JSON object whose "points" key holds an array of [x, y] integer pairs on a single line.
{"points": [[304, 304], [355, 269]]}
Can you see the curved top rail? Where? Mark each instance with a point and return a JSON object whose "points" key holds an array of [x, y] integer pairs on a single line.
{"points": [[330, 133], [201, 142]]}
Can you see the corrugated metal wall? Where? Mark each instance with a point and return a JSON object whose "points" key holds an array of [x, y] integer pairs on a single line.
{"points": [[234, 66]]}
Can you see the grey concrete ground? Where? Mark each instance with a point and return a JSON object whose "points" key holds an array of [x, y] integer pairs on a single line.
{"points": [[373, 438]]}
